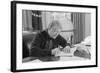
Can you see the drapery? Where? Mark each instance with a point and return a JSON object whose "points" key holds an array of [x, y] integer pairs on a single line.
{"points": [[31, 20], [78, 20], [36, 20]]}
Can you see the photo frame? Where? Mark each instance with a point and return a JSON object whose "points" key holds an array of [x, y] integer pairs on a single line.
{"points": [[78, 14]]}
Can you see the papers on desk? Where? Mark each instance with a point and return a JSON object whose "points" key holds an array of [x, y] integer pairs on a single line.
{"points": [[63, 54], [70, 56], [85, 45], [87, 41], [76, 51]]}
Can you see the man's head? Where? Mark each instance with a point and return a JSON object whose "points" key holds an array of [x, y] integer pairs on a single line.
{"points": [[54, 28]]}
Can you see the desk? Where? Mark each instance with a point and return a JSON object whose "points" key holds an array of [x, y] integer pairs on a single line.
{"points": [[46, 59], [60, 57]]}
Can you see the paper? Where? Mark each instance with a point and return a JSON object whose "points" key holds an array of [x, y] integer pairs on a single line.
{"points": [[67, 54]]}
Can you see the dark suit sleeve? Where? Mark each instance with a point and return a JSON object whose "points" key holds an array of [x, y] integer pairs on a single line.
{"points": [[62, 41], [37, 50]]}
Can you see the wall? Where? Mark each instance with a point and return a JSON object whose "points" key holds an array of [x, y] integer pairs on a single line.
{"points": [[27, 20], [63, 18]]}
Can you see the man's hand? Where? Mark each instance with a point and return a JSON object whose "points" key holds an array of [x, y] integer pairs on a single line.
{"points": [[67, 49], [55, 51]]}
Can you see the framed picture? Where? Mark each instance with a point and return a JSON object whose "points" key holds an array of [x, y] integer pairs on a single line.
{"points": [[48, 36]]}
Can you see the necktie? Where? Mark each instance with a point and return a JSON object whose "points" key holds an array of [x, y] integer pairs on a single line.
{"points": [[50, 44]]}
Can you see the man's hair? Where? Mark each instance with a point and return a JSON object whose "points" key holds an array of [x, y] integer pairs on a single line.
{"points": [[55, 23]]}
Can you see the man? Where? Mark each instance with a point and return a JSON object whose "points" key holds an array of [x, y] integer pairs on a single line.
{"points": [[47, 42]]}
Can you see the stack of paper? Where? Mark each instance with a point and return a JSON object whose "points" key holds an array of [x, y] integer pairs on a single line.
{"points": [[67, 54]]}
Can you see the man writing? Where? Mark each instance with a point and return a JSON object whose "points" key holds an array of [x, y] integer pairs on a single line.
{"points": [[47, 42]]}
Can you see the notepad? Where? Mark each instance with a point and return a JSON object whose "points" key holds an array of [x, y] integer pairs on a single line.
{"points": [[67, 54], [62, 54]]}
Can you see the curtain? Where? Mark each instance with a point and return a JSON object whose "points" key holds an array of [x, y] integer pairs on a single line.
{"points": [[78, 20], [31, 20], [36, 20]]}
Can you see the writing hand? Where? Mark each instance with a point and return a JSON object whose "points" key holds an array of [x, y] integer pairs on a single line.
{"points": [[67, 49], [55, 51]]}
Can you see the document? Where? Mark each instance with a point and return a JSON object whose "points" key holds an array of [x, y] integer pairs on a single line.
{"points": [[63, 54]]}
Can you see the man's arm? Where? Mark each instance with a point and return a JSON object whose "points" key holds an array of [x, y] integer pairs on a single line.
{"points": [[36, 49], [62, 41]]}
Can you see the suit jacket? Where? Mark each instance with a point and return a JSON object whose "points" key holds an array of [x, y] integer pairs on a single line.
{"points": [[40, 46]]}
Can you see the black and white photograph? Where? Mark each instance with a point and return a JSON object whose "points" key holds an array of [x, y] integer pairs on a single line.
{"points": [[55, 36], [51, 36]]}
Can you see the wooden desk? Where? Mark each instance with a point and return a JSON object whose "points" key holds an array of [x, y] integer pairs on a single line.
{"points": [[61, 57], [47, 59]]}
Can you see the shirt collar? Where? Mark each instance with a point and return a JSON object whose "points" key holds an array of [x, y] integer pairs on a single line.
{"points": [[48, 36]]}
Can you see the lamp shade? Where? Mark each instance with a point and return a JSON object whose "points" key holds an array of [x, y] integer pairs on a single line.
{"points": [[65, 20]]}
